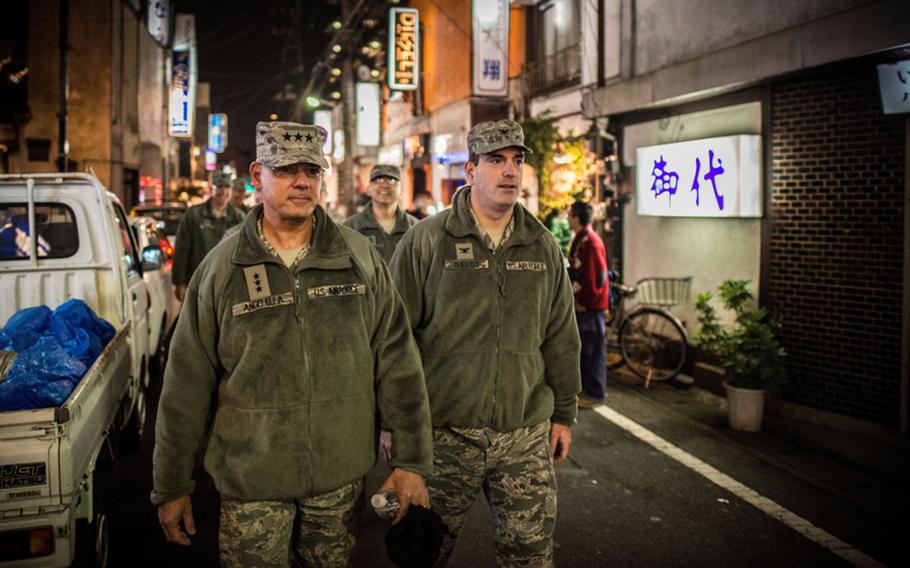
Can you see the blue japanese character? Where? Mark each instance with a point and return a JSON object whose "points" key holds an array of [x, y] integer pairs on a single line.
{"points": [[665, 181], [712, 173], [491, 69]]}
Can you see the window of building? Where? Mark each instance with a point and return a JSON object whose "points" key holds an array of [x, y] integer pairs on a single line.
{"points": [[554, 50], [14, 63]]}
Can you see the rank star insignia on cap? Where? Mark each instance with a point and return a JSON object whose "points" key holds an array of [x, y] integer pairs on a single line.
{"points": [[385, 170], [486, 137], [220, 179], [285, 143]]}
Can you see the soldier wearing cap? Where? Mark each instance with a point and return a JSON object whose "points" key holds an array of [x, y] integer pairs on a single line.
{"points": [[201, 228], [383, 221], [238, 196], [490, 304], [293, 329]]}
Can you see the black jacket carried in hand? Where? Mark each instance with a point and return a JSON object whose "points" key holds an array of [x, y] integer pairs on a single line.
{"points": [[415, 541]]}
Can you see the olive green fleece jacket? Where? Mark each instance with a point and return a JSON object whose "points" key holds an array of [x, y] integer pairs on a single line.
{"points": [[198, 233], [302, 373], [496, 332], [366, 224]]}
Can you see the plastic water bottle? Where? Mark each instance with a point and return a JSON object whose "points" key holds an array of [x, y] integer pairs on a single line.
{"points": [[386, 504]]}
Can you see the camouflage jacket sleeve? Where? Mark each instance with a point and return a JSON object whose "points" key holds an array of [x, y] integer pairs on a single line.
{"points": [[180, 270], [561, 348], [189, 380], [401, 390]]}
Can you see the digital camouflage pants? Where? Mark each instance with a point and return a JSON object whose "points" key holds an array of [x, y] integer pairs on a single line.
{"points": [[318, 531], [515, 471]]}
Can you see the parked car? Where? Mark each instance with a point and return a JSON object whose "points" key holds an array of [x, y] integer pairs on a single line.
{"points": [[168, 216], [65, 236], [163, 305]]}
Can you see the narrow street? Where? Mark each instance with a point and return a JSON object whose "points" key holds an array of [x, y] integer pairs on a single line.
{"points": [[622, 502]]}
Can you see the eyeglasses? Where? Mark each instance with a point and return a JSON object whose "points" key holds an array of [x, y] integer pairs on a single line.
{"points": [[293, 170], [385, 179]]}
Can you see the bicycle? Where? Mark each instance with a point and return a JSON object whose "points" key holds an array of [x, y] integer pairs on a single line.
{"points": [[650, 340]]}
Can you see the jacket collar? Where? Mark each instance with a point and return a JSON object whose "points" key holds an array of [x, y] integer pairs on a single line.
{"points": [[401, 219], [328, 250], [459, 223], [229, 210]]}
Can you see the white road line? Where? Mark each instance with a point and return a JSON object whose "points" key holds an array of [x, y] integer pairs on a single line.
{"points": [[769, 507]]}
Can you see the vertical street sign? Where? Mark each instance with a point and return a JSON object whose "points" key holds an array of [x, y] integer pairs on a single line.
{"points": [[323, 118], [368, 114], [182, 99], [404, 49], [159, 21], [491, 47], [218, 132]]}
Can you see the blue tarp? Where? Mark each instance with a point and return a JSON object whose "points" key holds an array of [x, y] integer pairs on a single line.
{"points": [[55, 349]]}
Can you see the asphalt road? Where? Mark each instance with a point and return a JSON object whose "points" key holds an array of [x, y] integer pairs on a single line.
{"points": [[621, 501]]}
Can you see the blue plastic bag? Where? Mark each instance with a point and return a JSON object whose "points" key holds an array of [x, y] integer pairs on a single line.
{"points": [[75, 314], [24, 328], [55, 350], [42, 376]]}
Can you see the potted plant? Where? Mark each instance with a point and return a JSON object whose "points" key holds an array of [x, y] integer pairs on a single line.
{"points": [[748, 351]]}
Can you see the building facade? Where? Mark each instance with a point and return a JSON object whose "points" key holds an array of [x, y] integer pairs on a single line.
{"points": [[115, 96], [827, 249]]}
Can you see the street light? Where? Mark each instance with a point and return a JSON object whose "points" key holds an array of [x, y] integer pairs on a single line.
{"points": [[313, 101]]}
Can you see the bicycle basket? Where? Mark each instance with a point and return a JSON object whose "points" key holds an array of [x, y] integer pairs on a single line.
{"points": [[663, 291]]}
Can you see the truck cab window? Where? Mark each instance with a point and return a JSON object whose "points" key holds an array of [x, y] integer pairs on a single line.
{"points": [[55, 225]]}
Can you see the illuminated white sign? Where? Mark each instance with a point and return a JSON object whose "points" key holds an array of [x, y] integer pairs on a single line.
{"points": [[323, 118], [211, 160], [713, 177], [894, 84], [391, 154], [159, 20], [218, 132], [182, 99], [367, 95], [491, 47], [338, 138], [404, 49]]}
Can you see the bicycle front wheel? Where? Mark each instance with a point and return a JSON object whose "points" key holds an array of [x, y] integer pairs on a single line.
{"points": [[653, 344]]}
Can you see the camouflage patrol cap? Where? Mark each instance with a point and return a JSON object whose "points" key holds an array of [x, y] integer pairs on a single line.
{"points": [[385, 170], [285, 143], [486, 137], [221, 179], [239, 184]]}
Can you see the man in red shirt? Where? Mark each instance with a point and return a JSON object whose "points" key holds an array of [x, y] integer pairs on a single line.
{"points": [[588, 270]]}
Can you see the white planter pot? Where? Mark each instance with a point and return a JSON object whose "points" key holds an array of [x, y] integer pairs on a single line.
{"points": [[746, 408]]}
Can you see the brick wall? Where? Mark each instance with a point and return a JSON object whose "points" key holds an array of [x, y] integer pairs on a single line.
{"points": [[836, 241]]}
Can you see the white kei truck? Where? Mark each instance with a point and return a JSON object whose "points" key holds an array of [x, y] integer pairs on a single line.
{"points": [[54, 462]]}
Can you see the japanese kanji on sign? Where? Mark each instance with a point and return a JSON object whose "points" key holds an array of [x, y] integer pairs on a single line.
{"points": [[712, 177]]}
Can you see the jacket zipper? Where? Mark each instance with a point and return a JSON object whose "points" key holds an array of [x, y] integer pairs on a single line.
{"points": [[308, 374]]}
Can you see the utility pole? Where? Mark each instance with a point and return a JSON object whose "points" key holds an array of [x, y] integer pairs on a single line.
{"points": [[347, 193], [64, 84]]}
